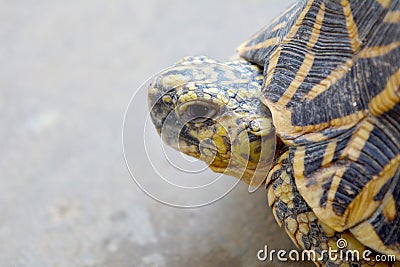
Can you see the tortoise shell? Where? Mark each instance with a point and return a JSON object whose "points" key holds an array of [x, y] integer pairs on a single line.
{"points": [[332, 83]]}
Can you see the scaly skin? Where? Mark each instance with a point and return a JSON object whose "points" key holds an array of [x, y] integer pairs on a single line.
{"points": [[303, 227]]}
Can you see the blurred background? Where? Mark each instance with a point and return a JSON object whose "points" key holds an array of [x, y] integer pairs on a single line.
{"points": [[68, 71]]}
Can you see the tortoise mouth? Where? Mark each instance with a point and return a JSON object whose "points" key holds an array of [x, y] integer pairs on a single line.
{"points": [[249, 157]]}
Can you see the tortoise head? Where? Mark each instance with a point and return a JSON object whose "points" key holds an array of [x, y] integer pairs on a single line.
{"points": [[214, 111]]}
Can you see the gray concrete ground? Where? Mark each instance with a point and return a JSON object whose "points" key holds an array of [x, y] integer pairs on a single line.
{"points": [[68, 70]]}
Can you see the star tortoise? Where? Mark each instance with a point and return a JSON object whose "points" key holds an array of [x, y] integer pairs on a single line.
{"points": [[310, 105]]}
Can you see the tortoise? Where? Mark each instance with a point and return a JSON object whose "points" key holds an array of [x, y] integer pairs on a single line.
{"points": [[310, 106]]}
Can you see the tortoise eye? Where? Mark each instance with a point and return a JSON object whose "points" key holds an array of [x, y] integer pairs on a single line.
{"points": [[198, 112]]}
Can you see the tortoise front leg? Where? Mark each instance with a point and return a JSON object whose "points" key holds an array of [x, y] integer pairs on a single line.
{"points": [[307, 232]]}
